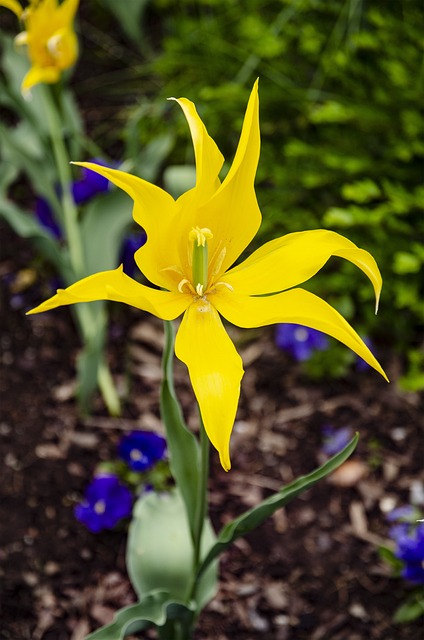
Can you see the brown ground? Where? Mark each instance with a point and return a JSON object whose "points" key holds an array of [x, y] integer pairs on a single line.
{"points": [[311, 572]]}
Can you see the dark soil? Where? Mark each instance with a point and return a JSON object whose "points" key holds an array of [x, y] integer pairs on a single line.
{"points": [[311, 572]]}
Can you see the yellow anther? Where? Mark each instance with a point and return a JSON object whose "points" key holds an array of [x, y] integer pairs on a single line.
{"points": [[225, 284], [182, 285], [200, 235], [199, 290], [54, 44]]}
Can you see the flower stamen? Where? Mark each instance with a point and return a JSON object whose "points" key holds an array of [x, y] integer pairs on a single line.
{"points": [[182, 284], [200, 263]]}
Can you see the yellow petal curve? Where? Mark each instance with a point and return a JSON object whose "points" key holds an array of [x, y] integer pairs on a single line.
{"points": [[47, 75], [233, 213], [155, 211], [209, 159], [13, 6], [294, 258], [215, 370], [66, 12], [295, 306], [116, 285]]}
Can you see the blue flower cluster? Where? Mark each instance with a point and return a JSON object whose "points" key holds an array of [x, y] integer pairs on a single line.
{"points": [[107, 499], [89, 185], [408, 535], [335, 439], [300, 341], [83, 190], [106, 502], [142, 449]]}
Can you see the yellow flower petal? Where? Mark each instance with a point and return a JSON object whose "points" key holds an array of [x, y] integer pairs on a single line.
{"points": [[66, 12], [209, 159], [116, 285], [63, 47], [215, 370], [288, 261], [13, 6], [233, 214], [48, 75], [295, 306], [155, 211]]}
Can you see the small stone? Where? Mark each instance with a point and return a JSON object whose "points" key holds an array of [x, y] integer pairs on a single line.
{"points": [[357, 611], [51, 568], [387, 504], [349, 474], [275, 596]]}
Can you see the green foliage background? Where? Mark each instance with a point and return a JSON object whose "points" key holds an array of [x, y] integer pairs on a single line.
{"points": [[341, 87]]}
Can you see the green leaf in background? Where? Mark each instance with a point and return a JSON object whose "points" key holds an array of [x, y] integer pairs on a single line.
{"points": [[410, 610], [91, 317], [258, 514], [182, 444], [160, 551], [136, 617], [129, 14], [179, 179], [24, 224], [103, 227], [35, 163]]}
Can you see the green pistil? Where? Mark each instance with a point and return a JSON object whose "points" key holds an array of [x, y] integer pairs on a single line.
{"points": [[200, 258]]}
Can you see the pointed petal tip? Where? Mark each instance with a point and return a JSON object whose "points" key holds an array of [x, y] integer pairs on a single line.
{"points": [[225, 461]]}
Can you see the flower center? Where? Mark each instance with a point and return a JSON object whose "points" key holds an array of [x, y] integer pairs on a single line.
{"points": [[200, 261], [137, 456], [100, 507], [301, 334]]}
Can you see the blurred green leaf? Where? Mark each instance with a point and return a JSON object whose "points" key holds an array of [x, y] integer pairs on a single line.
{"points": [[410, 610], [104, 223]]}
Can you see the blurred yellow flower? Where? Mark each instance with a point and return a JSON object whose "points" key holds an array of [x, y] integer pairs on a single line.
{"points": [[49, 36], [191, 246]]}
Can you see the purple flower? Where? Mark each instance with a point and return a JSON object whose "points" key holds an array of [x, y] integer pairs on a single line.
{"points": [[403, 517], [404, 513], [106, 502], [90, 184], [335, 439], [46, 218], [132, 242], [410, 549], [300, 341], [142, 449]]}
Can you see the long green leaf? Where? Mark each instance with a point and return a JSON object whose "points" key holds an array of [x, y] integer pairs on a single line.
{"points": [[25, 225], [103, 226], [257, 515], [154, 609], [182, 444]]}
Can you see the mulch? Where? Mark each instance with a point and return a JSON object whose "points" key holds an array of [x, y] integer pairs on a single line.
{"points": [[311, 572]]}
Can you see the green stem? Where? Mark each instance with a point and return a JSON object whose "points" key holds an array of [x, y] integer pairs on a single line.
{"points": [[108, 389], [174, 630], [202, 500], [88, 321], [70, 213]]}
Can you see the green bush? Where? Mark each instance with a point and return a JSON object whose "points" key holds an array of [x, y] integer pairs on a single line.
{"points": [[341, 121]]}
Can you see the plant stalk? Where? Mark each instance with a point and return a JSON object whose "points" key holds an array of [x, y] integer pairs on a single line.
{"points": [[70, 212], [86, 318]]}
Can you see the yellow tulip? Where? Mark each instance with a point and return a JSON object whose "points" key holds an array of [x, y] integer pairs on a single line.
{"points": [[192, 244], [49, 36]]}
